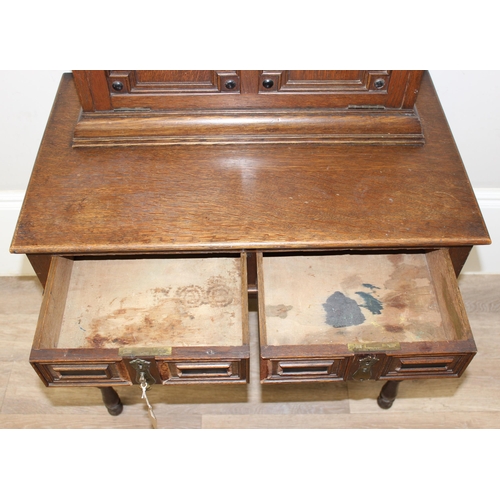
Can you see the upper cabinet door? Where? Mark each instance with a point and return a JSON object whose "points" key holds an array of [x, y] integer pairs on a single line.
{"points": [[337, 88], [174, 82], [251, 89]]}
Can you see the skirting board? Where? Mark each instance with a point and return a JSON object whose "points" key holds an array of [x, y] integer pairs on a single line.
{"points": [[482, 260]]}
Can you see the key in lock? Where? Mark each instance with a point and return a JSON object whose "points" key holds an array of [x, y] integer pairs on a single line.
{"points": [[142, 367]]}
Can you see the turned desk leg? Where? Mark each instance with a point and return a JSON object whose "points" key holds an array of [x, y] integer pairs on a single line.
{"points": [[388, 394], [111, 400]]}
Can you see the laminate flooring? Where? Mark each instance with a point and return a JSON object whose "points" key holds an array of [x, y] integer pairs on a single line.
{"points": [[473, 401]]}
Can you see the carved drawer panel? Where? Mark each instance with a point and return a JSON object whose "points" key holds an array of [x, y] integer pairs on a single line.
{"points": [[361, 316], [74, 373], [58, 366], [203, 371], [326, 81], [157, 83], [451, 365], [305, 369], [187, 316]]}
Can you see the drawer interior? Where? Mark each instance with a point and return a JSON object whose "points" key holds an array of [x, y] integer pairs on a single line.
{"points": [[144, 302], [359, 298]]}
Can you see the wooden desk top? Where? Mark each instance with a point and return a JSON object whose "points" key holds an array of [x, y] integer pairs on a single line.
{"points": [[213, 197]]}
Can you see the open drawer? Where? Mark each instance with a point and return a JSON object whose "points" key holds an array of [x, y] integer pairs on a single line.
{"points": [[360, 316], [187, 316]]}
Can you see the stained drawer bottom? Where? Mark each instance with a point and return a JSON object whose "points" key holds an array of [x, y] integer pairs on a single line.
{"points": [[185, 316], [361, 316]]}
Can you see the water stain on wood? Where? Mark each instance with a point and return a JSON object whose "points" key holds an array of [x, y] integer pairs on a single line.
{"points": [[394, 328], [396, 300], [370, 286], [371, 303], [132, 327], [218, 293], [191, 296], [395, 259], [279, 311], [162, 290], [362, 298], [153, 302], [342, 311]]}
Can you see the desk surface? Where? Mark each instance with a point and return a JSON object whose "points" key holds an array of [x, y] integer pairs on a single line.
{"points": [[213, 197]]}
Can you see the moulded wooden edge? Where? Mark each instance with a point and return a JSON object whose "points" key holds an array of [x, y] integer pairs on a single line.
{"points": [[356, 126], [71, 355], [341, 350], [113, 354]]}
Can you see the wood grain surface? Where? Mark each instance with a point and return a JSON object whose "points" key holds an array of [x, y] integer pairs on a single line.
{"points": [[153, 302], [199, 198], [350, 298]]}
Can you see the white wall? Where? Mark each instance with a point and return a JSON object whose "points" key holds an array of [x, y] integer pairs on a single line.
{"points": [[22, 122], [469, 99]]}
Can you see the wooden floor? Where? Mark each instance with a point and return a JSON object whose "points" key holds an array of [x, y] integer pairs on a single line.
{"points": [[470, 402]]}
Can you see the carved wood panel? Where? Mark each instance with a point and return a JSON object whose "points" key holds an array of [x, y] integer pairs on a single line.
{"points": [[324, 81], [444, 365], [355, 106], [172, 82], [248, 89], [83, 373]]}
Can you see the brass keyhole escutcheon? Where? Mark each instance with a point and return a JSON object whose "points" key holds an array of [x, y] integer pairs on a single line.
{"points": [[364, 371], [143, 374]]}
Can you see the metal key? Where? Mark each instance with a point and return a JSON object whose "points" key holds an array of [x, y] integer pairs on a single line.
{"points": [[145, 387]]}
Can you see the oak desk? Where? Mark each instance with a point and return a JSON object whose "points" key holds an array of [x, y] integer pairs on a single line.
{"points": [[149, 252]]}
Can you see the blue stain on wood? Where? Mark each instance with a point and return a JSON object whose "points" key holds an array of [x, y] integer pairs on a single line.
{"points": [[371, 303], [342, 311]]}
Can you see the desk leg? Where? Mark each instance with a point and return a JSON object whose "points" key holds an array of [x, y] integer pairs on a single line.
{"points": [[388, 394], [111, 400]]}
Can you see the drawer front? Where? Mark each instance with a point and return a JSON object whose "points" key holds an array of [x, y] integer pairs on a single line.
{"points": [[186, 316], [399, 315], [83, 373], [172, 372], [425, 366], [314, 370]]}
